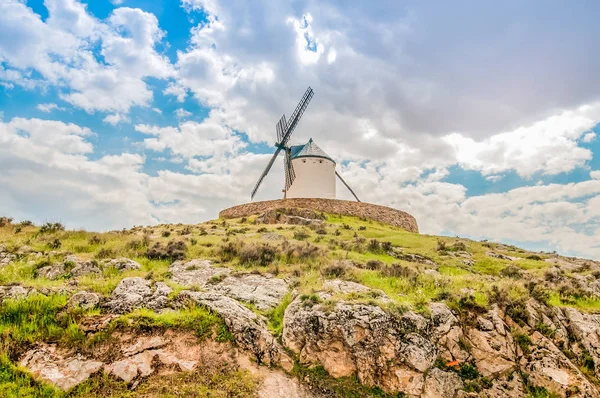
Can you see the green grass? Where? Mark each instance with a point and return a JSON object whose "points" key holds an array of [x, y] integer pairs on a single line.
{"points": [[275, 316], [15, 382]]}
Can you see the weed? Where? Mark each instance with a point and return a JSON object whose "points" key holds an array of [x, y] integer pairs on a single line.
{"points": [[175, 250], [524, 342], [301, 235]]}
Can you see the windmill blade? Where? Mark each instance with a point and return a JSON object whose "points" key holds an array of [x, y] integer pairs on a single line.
{"points": [[347, 186], [290, 174], [281, 127], [264, 174], [298, 112]]}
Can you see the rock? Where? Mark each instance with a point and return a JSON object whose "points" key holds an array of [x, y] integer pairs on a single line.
{"points": [[586, 329], [52, 272], [381, 349], [272, 236], [84, 300], [195, 272], [249, 331], [484, 324], [440, 384], [548, 367], [130, 368], [135, 292], [123, 264], [264, 292], [47, 365], [414, 258], [83, 267], [338, 286], [15, 292], [6, 257], [295, 216], [501, 256]]}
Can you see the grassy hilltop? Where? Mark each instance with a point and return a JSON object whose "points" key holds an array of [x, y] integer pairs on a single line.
{"points": [[413, 270]]}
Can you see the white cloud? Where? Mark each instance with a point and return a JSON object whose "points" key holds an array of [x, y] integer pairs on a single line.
{"points": [[595, 175], [60, 51], [157, 111], [589, 137], [116, 118], [49, 107], [176, 90], [181, 113]]}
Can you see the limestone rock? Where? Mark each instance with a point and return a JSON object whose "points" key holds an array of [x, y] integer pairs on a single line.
{"points": [[51, 272], [83, 267], [359, 339], [440, 384], [348, 287], [15, 292], [195, 272], [84, 300], [123, 264], [248, 330], [264, 292], [135, 292], [6, 257], [65, 373]]}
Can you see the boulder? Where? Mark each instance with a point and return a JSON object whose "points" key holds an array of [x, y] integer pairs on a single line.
{"points": [[122, 264], [84, 299], [15, 292], [82, 268], [196, 272], [52, 272], [249, 331], [46, 364], [265, 292], [136, 292]]}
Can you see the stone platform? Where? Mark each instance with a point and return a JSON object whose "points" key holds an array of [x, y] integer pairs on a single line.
{"points": [[382, 214]]}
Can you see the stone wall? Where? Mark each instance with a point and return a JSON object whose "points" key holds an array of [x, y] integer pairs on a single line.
{"points": [[382, 214]]}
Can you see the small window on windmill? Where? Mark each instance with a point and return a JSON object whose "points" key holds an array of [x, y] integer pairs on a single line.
{"points": [[303, 160], [320, 161]]}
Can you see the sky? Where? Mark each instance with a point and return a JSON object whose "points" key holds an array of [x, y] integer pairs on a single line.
{"points": [[481, 119]]}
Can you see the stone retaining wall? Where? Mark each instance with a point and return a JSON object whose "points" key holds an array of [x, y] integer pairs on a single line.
{"points": [[382, 214]]}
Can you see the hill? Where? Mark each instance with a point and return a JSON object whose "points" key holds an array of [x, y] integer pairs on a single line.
{"points": [[294, 304]]}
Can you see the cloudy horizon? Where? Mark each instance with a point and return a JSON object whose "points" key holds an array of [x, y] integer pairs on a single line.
{"points": [[481, 120]]}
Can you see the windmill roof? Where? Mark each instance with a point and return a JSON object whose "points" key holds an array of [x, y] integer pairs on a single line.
{"points": [[309, 150]]}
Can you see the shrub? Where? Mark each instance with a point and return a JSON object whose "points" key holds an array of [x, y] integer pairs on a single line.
{"points": [[193, 241], [202, 231], [26, 223], [517, 311], [534, 257], [55, 244], [334, 270], [166, 234], [227, 251], [321, 231], [374, 264], [300, 252], [4, 221], [175, 250], [398, 271], [51, 227], [262, 255], [95, 240], [523, 341], [105, 253], [468, 371], [512, 271], [362, 228], [261, 230], [300, 235], [186, 230]]}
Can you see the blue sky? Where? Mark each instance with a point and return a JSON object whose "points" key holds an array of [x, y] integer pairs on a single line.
{"points": [[482, 120]]}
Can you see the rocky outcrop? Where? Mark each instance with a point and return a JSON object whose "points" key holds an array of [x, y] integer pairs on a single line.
{"points": [[266, 292], [46, 364], [136, 292], [5, 256], [382, 214], [52, 272], [249, 331], [291, 216], [380, 348]]}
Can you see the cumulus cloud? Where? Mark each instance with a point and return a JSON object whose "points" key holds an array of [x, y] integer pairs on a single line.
{"points": [[589, 137], [116, 118], [59, 49], [182, 113]]}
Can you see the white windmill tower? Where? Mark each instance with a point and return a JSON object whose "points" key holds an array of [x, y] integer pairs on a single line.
{"points": [[309, 171]]}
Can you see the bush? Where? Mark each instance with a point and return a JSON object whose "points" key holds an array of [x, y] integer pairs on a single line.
{"points": [[175, 250], [186, 230], [334, 270], [512, 271], [166, 234], [523, 341], [301, 235], [95, 240], [55, 244], [26, 223], [262, 255], [534, 257], [51, 227], [374, 264], [105, 253], [398, 271], [321, 231], [4, 221]]}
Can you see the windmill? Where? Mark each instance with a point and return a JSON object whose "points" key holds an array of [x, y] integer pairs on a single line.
{"points": [[316, 170]]}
